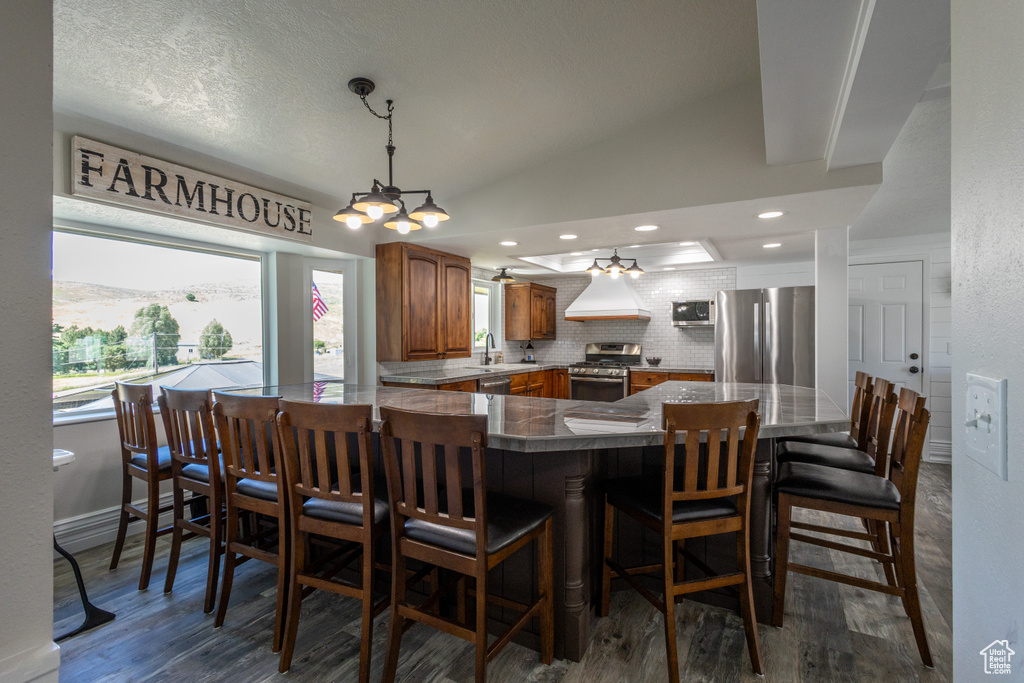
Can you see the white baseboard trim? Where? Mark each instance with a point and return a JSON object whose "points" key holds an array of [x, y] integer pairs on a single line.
{"points": [[99, 527], [941, 452], [37, 664]]}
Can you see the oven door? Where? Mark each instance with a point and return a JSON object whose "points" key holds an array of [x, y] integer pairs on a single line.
{"points": [[598, 388]]}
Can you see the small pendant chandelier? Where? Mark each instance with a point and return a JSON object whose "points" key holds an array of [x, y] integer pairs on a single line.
{"points": [[615, 268], [367, 207]]}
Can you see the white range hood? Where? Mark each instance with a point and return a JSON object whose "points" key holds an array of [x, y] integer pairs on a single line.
{"points": [[608, 299]]}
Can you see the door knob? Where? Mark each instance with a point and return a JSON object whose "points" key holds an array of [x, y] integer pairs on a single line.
{"points": [[914, 356], [914, 369]]}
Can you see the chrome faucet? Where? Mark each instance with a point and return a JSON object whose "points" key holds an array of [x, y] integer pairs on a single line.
{"points": [[487, 355]]}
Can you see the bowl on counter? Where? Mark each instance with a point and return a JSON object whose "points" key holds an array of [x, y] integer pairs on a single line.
{"points": [[654, 362]]}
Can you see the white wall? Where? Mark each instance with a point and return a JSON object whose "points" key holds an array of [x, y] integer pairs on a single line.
{"points": [[831, 321], [27, 651], [987, 329]]}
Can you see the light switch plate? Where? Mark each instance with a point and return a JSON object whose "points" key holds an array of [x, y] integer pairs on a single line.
{"points": [[986, 423]]}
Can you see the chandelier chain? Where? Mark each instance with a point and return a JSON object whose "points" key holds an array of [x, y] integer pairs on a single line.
{"points": [[391, 110]]}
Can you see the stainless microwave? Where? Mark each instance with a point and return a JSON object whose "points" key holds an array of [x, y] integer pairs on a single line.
{"points": [[697, 312]]}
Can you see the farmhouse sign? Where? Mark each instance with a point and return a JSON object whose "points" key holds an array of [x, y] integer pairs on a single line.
{"points": [[110, 174]]}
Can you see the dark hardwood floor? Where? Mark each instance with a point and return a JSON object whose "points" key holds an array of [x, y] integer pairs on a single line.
{"points": [[832, 632]]}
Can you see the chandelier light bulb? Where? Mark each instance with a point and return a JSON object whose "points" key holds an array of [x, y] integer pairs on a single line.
{"points": [[403, 227], [635, 274], [353, 222], [430, 220], [375, 212], [614, 274]]}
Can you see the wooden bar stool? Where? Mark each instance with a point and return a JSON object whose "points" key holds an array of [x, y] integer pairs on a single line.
{"points": [[710, 496], [860, 412], [142, 459], [887, 501], [329, 490], [247, 431], [871, 455], [467, 531], [197, 468]]}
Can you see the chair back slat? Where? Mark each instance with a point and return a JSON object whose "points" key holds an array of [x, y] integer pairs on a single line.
{"points": [[188, 420], [414, 485], [881, 410], [343, 460], [860, 408], [318, 459], [133, 407], [706, 427], [247, 429], [453, 480], [907, 446]]}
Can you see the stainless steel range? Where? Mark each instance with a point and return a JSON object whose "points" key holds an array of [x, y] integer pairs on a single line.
{"points": [[604, 375]]}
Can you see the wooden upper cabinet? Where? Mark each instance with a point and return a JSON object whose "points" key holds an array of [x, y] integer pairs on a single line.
{"points": [[529, 311], [458, 307], [424, 304]]}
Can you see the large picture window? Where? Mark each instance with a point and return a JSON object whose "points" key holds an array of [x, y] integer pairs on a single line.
{"points": [[328, 325], [136, 311]]}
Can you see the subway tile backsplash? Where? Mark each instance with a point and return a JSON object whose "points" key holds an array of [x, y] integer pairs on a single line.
{"points": [[688, 347], [685, 347]]}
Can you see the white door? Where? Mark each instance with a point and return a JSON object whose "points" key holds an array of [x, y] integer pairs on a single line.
{"points": [[886, 324]]}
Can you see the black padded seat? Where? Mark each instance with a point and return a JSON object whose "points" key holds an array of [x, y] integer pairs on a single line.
{"points": [[266, 490], [163, 459], [645, 495], [837, 486], [827, 456], [508, 520], [348, 513], [200, 472], [837, 439]]}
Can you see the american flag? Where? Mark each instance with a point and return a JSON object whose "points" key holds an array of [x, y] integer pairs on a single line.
{"points": [[318, 391], [319, 307]]}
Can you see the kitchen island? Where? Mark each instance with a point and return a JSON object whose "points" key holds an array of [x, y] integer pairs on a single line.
{"points": [[557, 451]]}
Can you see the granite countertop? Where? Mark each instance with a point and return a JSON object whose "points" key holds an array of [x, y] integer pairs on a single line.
{"points": [[531, 424], [462, 374]]}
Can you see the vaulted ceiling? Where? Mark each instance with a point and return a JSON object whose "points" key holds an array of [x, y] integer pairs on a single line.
{"points": [[525, 116]]}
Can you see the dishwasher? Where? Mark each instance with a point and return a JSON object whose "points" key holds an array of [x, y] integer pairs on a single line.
{"points": [[495, 385]]}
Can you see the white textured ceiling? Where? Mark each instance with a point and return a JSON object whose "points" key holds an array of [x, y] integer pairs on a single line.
{"points": [[481, 89]]}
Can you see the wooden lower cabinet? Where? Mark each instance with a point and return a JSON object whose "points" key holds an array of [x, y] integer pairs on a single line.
{"points": [[538, 383], [560, 383], [645, 379], [466, 385]]}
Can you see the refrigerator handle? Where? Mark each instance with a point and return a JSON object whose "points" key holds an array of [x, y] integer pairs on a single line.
{"points": [[757, 340], [768, 342]]}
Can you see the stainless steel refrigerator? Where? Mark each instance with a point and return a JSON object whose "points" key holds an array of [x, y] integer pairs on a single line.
{"points": [[765, 335]]}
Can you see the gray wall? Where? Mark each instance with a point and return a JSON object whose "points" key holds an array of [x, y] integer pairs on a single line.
{"points": [[987, 175], [27, 651]]}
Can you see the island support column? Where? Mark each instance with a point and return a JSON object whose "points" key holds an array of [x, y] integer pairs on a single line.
{"points": [[565, 481]]}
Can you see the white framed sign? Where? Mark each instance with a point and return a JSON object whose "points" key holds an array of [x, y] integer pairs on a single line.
{"points": [[110, 174]]}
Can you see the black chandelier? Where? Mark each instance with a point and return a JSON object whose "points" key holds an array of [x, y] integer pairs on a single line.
{"points": [[615, 268], [367, 207]]}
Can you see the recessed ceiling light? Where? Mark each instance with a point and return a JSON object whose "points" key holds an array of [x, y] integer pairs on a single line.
{"points": [[633, 246], [770, 214], [508, 243], [595, 250], [576, 253], [772, 245], [567, 237], [669, 268], [687, 244], [645, 228]]}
